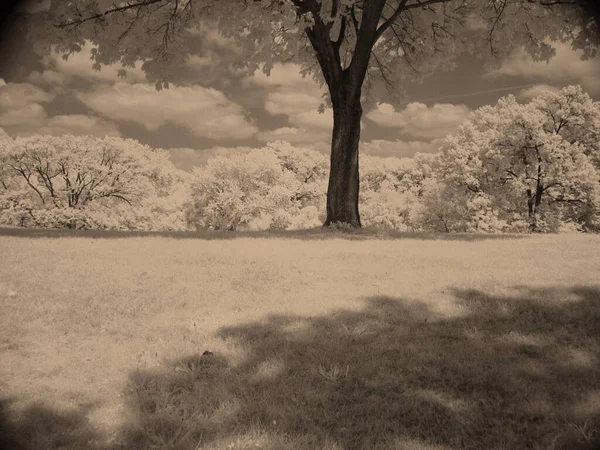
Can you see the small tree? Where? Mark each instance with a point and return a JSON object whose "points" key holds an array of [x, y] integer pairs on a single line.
{"points": [[359, 49]]}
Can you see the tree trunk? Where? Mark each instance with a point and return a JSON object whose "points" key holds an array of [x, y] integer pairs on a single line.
{"points": [[533, 205], [345, 85], [342, 192]]}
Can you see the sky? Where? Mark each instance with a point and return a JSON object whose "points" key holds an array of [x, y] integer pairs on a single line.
{"points": [[212, 110]]}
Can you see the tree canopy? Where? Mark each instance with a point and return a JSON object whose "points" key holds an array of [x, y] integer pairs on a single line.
{"points": [[85, 182], [534, 163], [385, 41]]}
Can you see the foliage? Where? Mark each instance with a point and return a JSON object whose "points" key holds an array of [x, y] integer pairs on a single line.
{"points": [[532, 163], [87, 182], [275, 187], [384, 202], [404, 37], [283, 187]]}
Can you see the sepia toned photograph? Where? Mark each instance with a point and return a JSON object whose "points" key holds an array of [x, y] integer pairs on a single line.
{"points": [[300, 224]]}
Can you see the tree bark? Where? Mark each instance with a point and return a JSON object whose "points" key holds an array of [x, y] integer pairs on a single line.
{"points": [[343, 188], [534, 202]]}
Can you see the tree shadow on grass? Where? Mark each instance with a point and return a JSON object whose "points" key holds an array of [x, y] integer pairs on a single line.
{"points": [[40, 427], [505, 372], [311, 234], [514, 372]]}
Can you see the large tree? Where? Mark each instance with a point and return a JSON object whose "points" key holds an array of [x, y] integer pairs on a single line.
{"points": [[533, 163], [360, 49], [85, 182]]}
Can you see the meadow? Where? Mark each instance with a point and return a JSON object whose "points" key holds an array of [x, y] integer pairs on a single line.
{"points": [[298, 340]]}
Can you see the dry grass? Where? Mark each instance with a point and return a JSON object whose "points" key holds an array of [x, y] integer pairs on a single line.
{"points": [[320, 341]]}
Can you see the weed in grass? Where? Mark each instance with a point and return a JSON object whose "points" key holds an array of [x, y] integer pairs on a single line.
{"points": [[334, 373], [587, 431]]}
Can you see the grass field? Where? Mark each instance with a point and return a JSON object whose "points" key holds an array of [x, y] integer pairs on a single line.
{"points": [[319, 340]]}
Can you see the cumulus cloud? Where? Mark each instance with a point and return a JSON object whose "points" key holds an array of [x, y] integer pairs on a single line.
{"points": [[19, 95], [290, 94], [20, 104], [565, 67], [78, 124], [205, 112], [399, 148], [211, 59], [22, 113], [212, 47], [419, 120], [290, 102], [533, 91], [31, 114], [286, 75], [47, 78]]}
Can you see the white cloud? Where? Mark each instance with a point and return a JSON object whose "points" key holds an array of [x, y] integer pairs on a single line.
{"points": [[22, 113], [300, 108], [20, 104], [286, 75], [80, 65], [289, 93], [536, 90], [19, 95], [205, 112], [78, 124], [419, 120], [314, 119], [47, 78], [31, 114], [399, 148], [565, 67], [290, 102], [213, 47]]}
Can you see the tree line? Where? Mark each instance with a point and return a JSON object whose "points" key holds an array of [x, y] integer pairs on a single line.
{"points": [[510, 167]]}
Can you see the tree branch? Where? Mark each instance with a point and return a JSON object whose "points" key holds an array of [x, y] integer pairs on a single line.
{"points": [[27, 179], [388, 23], [108, 12], [365, 41], [491, 34]]}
